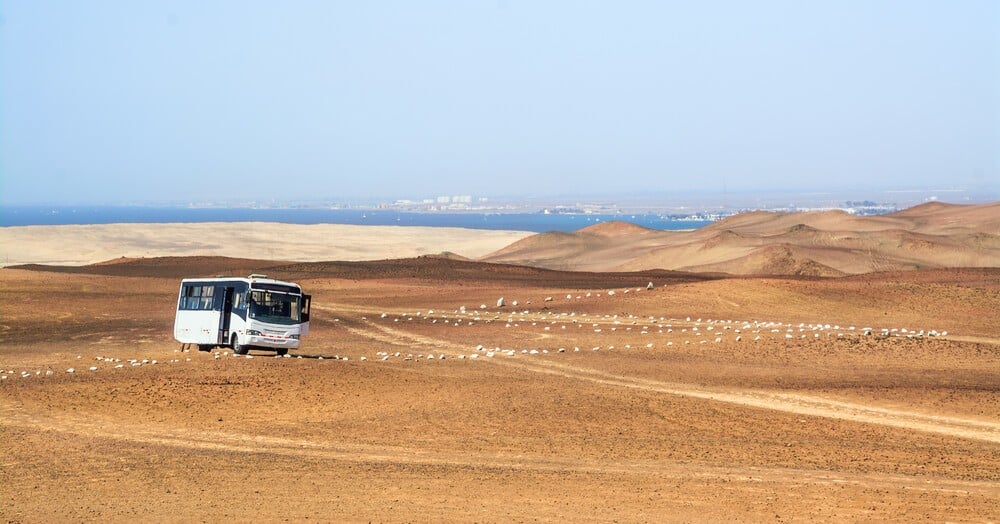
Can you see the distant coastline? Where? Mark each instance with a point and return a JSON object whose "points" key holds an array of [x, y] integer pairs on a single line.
{"points": [[533, 222]]}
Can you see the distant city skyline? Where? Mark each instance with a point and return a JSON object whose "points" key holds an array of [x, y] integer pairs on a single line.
{"points": [[113, 102], [687, 202]]}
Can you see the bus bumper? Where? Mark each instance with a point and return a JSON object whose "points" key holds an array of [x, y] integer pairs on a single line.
{"points": [[271, 342]]}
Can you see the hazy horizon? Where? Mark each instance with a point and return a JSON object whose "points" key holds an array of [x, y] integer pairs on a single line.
{"points": [[111, 102]]}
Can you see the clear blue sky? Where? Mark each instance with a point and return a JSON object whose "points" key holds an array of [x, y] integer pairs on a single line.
{"points": [[109, 101]]}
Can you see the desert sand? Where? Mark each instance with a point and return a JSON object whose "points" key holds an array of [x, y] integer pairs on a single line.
{"points": [[827, 243], [587, 397], [89, 244], [703, 399], [830, 243]]}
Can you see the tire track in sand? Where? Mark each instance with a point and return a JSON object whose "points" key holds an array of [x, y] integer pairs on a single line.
{"points": [[217, 441], [800, 404]]}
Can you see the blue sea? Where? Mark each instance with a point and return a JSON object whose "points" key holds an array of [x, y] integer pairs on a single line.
{"points": [[535, 222]]}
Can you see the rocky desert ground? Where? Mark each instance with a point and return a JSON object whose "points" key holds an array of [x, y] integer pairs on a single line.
{"points": [[587, 396], [703, 398]]}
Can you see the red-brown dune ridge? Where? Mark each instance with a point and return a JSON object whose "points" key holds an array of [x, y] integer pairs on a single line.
{"points": [[825, 243]]}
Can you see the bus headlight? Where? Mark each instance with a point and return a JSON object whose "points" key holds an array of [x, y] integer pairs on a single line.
{"points": [[253, 333], [294, 337]]}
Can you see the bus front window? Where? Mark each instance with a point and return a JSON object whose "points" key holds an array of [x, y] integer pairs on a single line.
{"points": [[274, 307]]}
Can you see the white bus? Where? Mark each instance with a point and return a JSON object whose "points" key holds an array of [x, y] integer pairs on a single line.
{"points": [[241, 313]]}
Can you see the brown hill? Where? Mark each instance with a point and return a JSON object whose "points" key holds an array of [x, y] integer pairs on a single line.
{"points": [[616, 228], [600, 247], [433, 267], [194, 266], [821, 243], [776, 259]]}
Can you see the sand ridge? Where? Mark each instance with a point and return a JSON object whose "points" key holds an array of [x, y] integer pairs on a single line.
{"points": [[828, 243]]}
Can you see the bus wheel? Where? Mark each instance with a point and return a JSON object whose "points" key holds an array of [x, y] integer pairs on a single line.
{"points": [[282, 351], [237, 347], [205, 347]]}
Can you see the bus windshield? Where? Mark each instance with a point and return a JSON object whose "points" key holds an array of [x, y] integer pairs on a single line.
{"points": [[274, 307]]}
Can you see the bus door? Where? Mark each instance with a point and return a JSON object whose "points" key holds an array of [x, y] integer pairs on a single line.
{"points": [[227, 310], [304, 314]]}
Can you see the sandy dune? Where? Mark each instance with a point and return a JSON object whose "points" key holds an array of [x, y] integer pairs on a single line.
{"points": [[704, 398], [78, 245], [831, 243], [759, 243]]}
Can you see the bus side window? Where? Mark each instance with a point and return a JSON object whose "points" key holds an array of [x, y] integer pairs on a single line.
{"points": [[197, 297], [191, 297], [207, 297]]}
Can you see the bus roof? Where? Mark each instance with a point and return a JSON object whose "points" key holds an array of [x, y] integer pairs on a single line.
{"points": [[252, 279]]}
